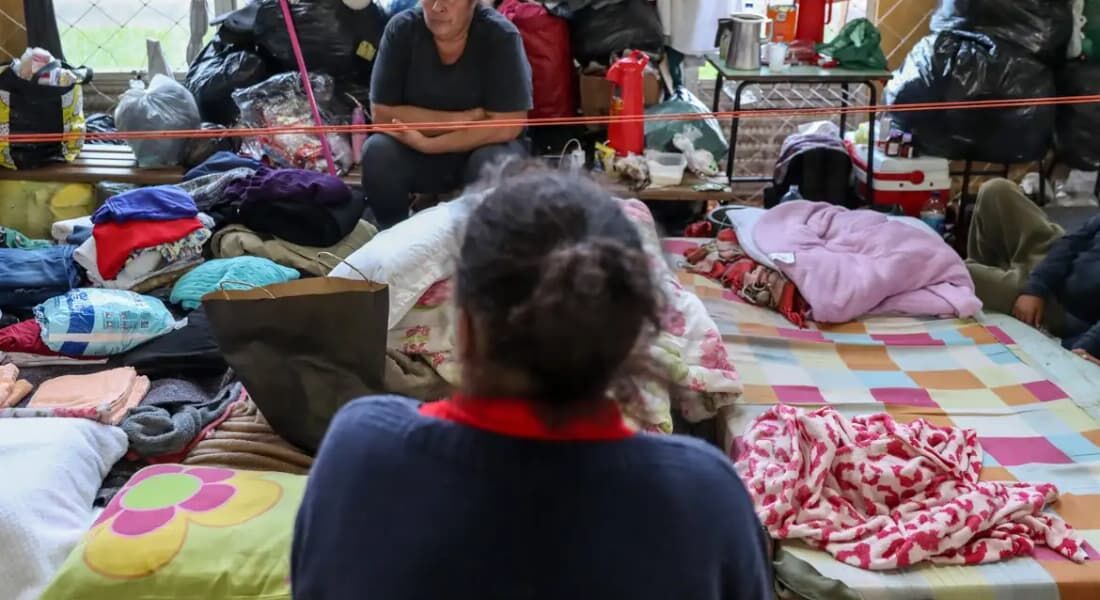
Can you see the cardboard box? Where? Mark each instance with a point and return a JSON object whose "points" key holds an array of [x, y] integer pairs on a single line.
{"points": [[596, 93]]}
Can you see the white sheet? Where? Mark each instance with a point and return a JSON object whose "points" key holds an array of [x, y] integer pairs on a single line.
{"points": [[52, 469]]}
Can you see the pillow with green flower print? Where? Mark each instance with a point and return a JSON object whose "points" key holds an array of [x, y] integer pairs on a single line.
{"points": [[188, 533]]}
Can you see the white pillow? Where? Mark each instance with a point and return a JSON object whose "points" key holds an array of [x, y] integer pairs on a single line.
{"points": [[412, 255], [52, 469]]}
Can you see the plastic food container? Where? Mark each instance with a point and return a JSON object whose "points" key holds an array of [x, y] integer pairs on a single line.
{"points": [[666, 169]]}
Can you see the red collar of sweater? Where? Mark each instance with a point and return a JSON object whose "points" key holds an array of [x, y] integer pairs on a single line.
{"points": [[518, 418]]}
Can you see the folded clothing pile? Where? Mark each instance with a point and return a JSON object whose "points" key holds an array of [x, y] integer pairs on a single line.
{"points": [[141, 239], [110, 393], [238, 240], [29, 276], [301, 207]]}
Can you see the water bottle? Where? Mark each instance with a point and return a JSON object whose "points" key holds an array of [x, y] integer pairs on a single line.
{"points": [[792, 194], [934, 213]]}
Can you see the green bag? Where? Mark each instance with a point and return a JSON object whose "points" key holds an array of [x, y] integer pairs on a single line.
{"points": [[1090, 33], [857, 46], [659, 133]]}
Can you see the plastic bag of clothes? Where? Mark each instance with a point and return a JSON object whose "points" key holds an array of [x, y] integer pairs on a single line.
{"points": [[280, 101], [198, 150], [960, 66], [1077, 134], [546, 40], [218, 71], [164, 106], [599, 33], [1042, 27], [117, 320]]}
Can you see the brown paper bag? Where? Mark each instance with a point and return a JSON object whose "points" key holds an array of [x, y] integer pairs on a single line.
{"points": [[303, 349]]}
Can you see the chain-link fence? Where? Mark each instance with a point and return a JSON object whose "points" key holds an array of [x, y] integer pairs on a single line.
{"points": [[110, 35]]}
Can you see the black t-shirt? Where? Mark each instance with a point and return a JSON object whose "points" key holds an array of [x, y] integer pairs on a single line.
{"points": [[492, 74]]}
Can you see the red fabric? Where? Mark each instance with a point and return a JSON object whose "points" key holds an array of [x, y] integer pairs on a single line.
{"points": [[517, 418], [546, 40], [114, 242], [25, 337]]}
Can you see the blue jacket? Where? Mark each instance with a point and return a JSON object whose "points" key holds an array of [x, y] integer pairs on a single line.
{"points": [[1070, 274]]}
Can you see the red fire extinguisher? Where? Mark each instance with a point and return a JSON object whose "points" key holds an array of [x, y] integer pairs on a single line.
{"points": [[812, 17], [627, 76]]}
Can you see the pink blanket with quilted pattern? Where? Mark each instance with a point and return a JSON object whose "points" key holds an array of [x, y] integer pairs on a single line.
{"points": [[877, 494]]}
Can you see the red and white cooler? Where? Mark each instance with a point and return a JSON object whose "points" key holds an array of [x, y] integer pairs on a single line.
{"points": [[905, 182]]}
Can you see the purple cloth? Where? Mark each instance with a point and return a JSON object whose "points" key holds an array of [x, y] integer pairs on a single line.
{"points": [[851, 263], [160, 203], [301, 207]]}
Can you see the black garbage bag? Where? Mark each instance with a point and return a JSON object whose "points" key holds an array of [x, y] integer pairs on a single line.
{"points": [[598, 33], [961, 66], [218, 71], [1042, 27], [325, 32], [1077, 134], [198, 150]]}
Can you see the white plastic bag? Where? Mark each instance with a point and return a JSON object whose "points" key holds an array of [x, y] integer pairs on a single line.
{"points": [[164, 106]]}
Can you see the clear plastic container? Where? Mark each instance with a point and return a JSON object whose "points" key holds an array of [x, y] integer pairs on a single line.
{"points": [[666, 169]]}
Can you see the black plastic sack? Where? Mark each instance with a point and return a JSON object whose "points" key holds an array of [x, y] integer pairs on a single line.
{"points": [[1077, 134], [599, 33], [328, 39], [960, 66], [218, 71], [1042, 27]]}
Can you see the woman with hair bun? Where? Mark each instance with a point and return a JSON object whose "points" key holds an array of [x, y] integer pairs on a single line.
{"points": [[528, 483]]}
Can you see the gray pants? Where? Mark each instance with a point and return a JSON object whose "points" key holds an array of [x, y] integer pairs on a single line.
{"points": [[393, 171], [1010, 236]]}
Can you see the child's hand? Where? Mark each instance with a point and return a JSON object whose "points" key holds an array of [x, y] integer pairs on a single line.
{"points": [[1085, 355], [1029, 309]]}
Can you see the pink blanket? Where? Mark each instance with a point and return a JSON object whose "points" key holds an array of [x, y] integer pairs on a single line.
{"points": [[880, 495], [848, 264]]}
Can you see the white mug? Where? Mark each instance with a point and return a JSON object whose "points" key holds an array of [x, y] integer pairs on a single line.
{"points": [[777, 56]]}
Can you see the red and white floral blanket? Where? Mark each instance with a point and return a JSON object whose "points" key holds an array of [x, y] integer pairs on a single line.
{"points": [[878, 494]]}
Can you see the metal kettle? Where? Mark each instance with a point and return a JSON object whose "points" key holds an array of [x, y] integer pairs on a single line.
{"points": [[746, 32]]}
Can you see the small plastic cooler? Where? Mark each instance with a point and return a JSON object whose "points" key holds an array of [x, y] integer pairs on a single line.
{"points": [[906, 182]]}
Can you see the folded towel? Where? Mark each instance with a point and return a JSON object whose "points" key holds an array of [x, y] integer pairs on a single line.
{"points": [[121, 389]]}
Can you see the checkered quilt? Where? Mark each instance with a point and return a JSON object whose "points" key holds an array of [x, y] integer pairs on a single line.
{"points": [[956, 373]]}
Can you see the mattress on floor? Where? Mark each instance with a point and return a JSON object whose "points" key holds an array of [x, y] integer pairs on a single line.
{"points": [[958, 373]]}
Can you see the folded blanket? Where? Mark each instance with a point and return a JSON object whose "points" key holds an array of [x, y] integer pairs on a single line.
{"points": [[879, 495], [147, 268], [121, 389], [238, 240], [246, 441], [848, 264], [115, 242]]}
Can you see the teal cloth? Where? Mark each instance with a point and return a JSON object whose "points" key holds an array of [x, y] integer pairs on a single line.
{"points": [[243, 272], [10, 238]]}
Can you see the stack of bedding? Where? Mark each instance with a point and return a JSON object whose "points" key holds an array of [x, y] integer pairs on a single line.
{"points": [[955, 373]]}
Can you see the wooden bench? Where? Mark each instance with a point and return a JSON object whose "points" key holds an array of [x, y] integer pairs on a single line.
{"points": [[106, 162]]}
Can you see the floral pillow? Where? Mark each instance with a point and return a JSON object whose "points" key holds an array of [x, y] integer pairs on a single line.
{"points": [[188, 533]]}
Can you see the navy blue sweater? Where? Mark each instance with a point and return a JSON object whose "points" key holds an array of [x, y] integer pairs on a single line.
{"points": [[405, 506], [1070, 273]]}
